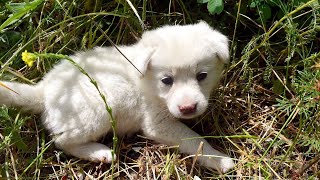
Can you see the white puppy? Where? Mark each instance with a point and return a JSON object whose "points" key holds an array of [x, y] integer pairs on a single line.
{"points": [[180, 66]]}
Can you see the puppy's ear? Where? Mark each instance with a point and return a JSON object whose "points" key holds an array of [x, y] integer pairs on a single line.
{"points": [[216, 41], [143, 60], [223, 54], [222, 47]]}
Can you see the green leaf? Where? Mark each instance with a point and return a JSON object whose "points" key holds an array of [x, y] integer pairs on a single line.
{"points": [[274, 3], [202, 1], [215, 6], [297, 3], [9, 38], [18, 141], [252, 4], [265, 11], [15, 7], [277, 87], [20, 12]]}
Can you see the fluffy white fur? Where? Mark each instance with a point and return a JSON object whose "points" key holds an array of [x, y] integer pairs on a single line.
{"points": [[74, 113]]}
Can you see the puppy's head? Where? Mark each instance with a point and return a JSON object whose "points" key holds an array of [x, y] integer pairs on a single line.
{"points": [[181, 65]]}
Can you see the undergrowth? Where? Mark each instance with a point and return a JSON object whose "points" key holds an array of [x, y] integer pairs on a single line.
{"points": [[265, 114]]}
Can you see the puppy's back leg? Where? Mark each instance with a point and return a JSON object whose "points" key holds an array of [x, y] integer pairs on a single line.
{"points": [[79, 140], [82, 147], [91, 151]]}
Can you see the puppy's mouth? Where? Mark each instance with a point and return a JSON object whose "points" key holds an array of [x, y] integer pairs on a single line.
{"points": [[189, 116]]}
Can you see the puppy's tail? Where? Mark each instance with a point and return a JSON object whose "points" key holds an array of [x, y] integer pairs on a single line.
{"points": [[27, 97]]}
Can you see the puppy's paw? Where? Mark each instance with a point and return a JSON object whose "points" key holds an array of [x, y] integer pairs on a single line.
{"points": [[222, 164], [226, 164], [94, 152], [103, 155]]}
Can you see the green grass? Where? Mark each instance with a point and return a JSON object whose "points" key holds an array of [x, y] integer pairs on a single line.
{"points": [[265, 114]]}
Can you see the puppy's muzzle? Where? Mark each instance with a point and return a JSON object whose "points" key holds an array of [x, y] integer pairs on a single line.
{"points": [[188, 109]]}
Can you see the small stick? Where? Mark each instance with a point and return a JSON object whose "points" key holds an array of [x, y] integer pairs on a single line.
{"points": [[199, 152], [3, 85], [308, 164]]}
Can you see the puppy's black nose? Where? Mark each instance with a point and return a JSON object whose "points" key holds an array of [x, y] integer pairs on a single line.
{"points": [[188, 109]]}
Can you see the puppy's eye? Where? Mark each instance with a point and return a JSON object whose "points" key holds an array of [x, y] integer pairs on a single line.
{"points": [[201, 76], [167, 80]]}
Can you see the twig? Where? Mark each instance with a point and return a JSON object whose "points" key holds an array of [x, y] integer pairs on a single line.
{"points": [[5, 86], [137, 15], [308, 164], [115, 46], [199, 152]]}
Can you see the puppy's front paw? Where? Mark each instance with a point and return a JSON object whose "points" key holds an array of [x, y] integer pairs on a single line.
{"points": [[226, 164], [103, 155], [222, 164]]}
